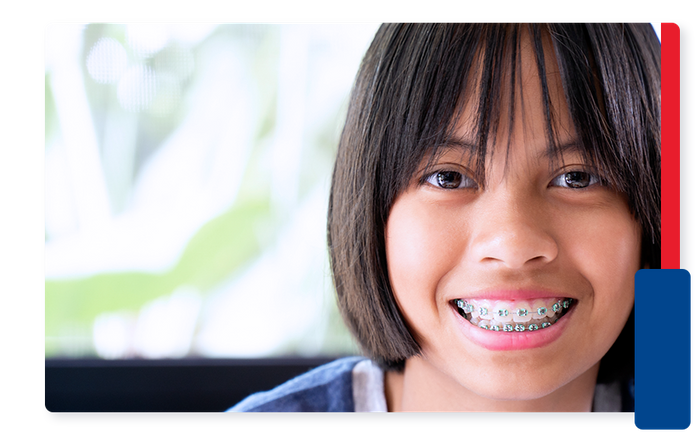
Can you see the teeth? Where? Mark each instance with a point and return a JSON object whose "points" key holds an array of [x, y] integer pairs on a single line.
{"points": [[508, 316], [501, 313], [523, 313], [484, 313]]}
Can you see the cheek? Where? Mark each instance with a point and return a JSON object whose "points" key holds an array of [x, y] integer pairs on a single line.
{"points": [[607, 247], [420, 251], [606, 250]]}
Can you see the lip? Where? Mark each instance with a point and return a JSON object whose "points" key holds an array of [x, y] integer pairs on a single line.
{"points": [[514, 295], [512, 341]]}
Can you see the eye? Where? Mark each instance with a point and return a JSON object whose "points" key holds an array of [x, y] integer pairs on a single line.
{"points": [[575, 179], [448, 179]]}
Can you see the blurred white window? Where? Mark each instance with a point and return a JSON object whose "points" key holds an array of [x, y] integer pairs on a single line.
{"points": [[187, 177]]}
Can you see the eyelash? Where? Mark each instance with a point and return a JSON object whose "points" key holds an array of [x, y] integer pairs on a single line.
{"points": [[559, 181], [464, 180]]}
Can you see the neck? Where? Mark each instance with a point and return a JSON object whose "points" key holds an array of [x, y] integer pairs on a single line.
{"points": [[422, 387]]}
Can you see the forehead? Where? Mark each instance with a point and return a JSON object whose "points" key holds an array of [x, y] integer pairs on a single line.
{"points": [[513, 97]]}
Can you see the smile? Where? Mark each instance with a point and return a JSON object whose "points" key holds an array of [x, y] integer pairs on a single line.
{"points": [[509, 316]]}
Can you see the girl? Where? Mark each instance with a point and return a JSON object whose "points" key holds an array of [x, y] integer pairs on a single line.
{"points": [[495, 190]]}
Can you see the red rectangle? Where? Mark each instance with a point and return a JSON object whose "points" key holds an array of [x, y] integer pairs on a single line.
{"points": [[670, 146]]}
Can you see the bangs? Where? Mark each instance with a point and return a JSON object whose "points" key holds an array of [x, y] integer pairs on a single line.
{"points": [[494, 88], [610, 76]]}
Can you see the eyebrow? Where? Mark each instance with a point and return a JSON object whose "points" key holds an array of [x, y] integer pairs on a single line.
{"points": [[571, 146], [455, 144]]}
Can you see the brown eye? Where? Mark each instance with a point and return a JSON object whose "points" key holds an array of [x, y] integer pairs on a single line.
{"points": [[575, 180], [450, 180]]}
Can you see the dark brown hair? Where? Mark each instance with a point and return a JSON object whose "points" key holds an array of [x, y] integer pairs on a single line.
{"points": [[412, 86]]}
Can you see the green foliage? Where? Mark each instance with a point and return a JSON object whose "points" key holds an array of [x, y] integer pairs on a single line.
{"points": [[220, 248]]}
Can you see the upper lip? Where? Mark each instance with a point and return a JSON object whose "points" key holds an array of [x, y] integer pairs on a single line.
{"points": [[514, 294]]}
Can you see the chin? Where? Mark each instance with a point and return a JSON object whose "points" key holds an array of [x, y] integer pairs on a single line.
{"points": [[524, 383]]}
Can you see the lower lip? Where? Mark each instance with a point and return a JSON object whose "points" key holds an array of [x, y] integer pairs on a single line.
{"points": [[512, 341]]}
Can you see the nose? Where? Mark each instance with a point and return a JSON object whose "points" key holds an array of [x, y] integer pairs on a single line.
{"points": [[512, 232]]}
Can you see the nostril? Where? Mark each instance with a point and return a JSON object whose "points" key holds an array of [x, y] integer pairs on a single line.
{"points": [[520, 247]]}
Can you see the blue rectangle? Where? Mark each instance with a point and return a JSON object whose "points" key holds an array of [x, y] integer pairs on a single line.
{"points": [[662, 349]]}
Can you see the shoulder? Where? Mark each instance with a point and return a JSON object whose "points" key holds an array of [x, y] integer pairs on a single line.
{"points": [[326, 388]]}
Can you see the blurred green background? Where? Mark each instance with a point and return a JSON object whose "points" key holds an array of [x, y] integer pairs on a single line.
{"points": [[187, 177]]}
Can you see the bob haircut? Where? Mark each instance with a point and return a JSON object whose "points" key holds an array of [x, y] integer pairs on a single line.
{"points": [[412, 88]]}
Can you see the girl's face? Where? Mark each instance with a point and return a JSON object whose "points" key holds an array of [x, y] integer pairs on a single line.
{"points": [[537, 234]]}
